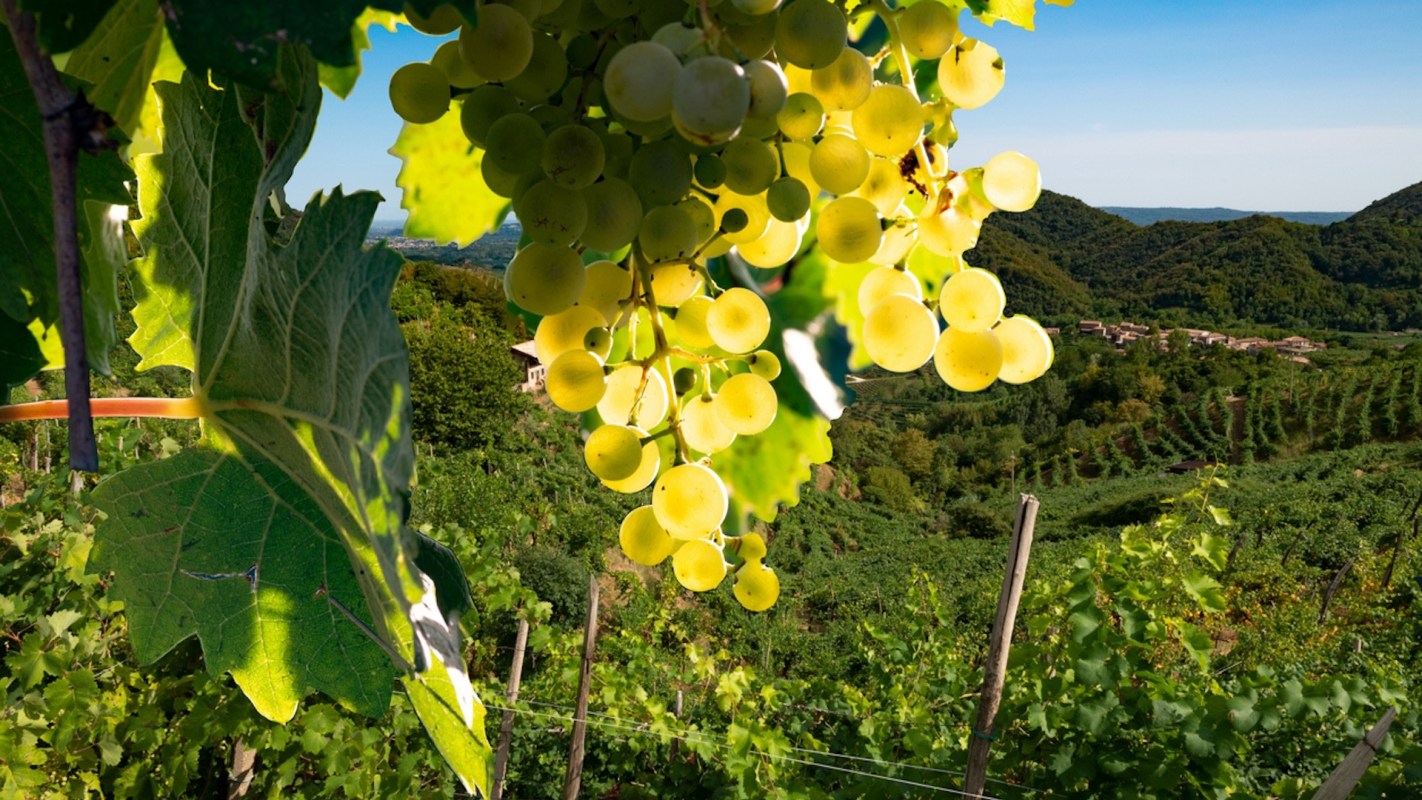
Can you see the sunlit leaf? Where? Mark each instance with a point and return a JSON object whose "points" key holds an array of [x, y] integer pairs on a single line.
{"points": [[444, 190]]}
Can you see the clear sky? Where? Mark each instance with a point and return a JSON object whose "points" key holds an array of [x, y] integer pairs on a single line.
{"points": [[1268, 105]]}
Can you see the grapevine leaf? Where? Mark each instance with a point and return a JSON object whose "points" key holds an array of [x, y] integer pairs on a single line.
{"points": [[63, 24], [1213, 549], [765, 470], [20, 355], [28, 292], [1206, 591], [301, 376], [118, 60], [341, 80], [444, 190], [1016, 12]]}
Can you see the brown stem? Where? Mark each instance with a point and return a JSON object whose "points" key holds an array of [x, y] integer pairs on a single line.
{"points": [[165, 407], [61, 146]]}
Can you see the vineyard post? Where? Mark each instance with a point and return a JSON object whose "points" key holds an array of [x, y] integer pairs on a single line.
{"points": [[676, 712], [580, 716], [501, 758], [1000, 642], [1350, 770], [244, 763]]}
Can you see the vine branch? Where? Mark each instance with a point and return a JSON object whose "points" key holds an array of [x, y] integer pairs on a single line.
{"points": [[65, 115]]}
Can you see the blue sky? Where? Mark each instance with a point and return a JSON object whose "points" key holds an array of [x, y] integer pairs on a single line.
{"points": [[1268, 105]]}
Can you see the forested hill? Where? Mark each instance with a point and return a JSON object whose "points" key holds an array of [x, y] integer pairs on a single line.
{"points": [[1149, 215], [1065, 258]]}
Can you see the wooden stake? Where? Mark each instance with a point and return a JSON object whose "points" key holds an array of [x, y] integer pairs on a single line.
{"points": [[999, 644], [244, 761], [676, 712], [501, 758], [574, 779], [1347, 774]]}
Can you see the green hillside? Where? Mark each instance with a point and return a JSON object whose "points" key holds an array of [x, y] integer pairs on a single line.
{"points": [[1363, 273]]}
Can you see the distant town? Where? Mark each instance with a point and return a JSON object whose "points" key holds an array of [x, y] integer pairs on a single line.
{"points": [[1294, 348]]}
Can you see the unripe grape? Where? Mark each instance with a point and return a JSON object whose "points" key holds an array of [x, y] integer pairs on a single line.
{"points": [[640, 80], [500, 46], [710, 171], [544, 279], [575, 381], [899, 333], [750, 39], [751, 166], [515, 143], [968, 361], [802, 116], [849, 230], [972, 300], [613, 452], [970, 74], [545, 74], [690, 501], [643, 539], [614, 215], [551, 214], [839, 164], [699, 565], [810, 33], [756, 7], [768, 88], [788, 199], [703, 217], [443, 20], [457, 71], [757, 587], [738, 320], [667, 233], [661, 173], [1012, 181], [1026, 349], [482, 108], [419, 93], [927, 29], [844, 84], [711, 97]]}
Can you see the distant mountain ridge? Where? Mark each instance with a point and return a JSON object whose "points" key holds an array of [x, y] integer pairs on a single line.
{"points": [[1148, 215], [1065, 258]]}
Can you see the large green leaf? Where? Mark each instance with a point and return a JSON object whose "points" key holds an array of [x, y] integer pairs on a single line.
{"points": [[118, 60], [63, 24], [341, 80], [444, 190], [301, 377]]}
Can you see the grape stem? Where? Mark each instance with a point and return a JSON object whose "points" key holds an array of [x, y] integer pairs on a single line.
{"points": [[896, 45], [164, 407], [662, 351]]}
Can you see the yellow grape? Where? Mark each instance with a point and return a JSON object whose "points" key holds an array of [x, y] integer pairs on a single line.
{"points": [[544, 279], [796, 156], [899, 333], [849, 230], [1026, 349], [845, 84], [839, 164], [643, 540], [576, 381], [801, 117], [889, 122], [613, 452], [500, 46], [777, 245], [765, 364], [691, 322], [1012, 181], [971, 300], [690, 501], [899, 241], [968, 361], [884, 186], [882, 282], [752, 547], [746, 403], [810, 33], [703, 428], [699, 565], [674, 283], [419, 93], [970, 73], [948, 234], [622, 397], [606, 287], [757, 587], [646, 471], [738, 321], [757, 215], [566, 330], [928, 29]]}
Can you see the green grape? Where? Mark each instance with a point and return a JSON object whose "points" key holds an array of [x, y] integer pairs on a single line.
{"points": [[927, 30], [691, 322], [575, 381], [838, 163], [971, 300], [738, 320], [640, 80], [765, 364], [746, 403], [419, 93], [810, 33], [582, 51], [661, 173], [443, 20], [880, 283], [966, 360], [756, 7], [757, 587], [551, 214], [617, 9], [849, 230], [752, 547], [703, 217], [544, 279], [515, 143], [751, 166], [613, 452], [667, 233], [885, 186], [735, 220], [598, 341], [1012, 181], [899, 333], [788, 199], [711, 98], [646, 471], [644, 540], [753, 206], [482, 108], [802, 117], [685, 381], [681, 39], [709, 171], [628, 400], [777, 245], [550, 117], [699, 565], [948, 234], [606, 287], [768, 89], [530, 9], [702, 427], [545, 74], [750, 38], [674, 283], [899, 242], [457, 71], [614, 215], [573, 157], [1026, 349], [617, 150], [844, 84], [499, 181], [690, 501], [500, 46], [970, 74], [890, 122], [566, 330]]}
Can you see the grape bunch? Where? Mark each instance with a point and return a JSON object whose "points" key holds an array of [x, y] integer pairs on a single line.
{"points": [[638, 141]]}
